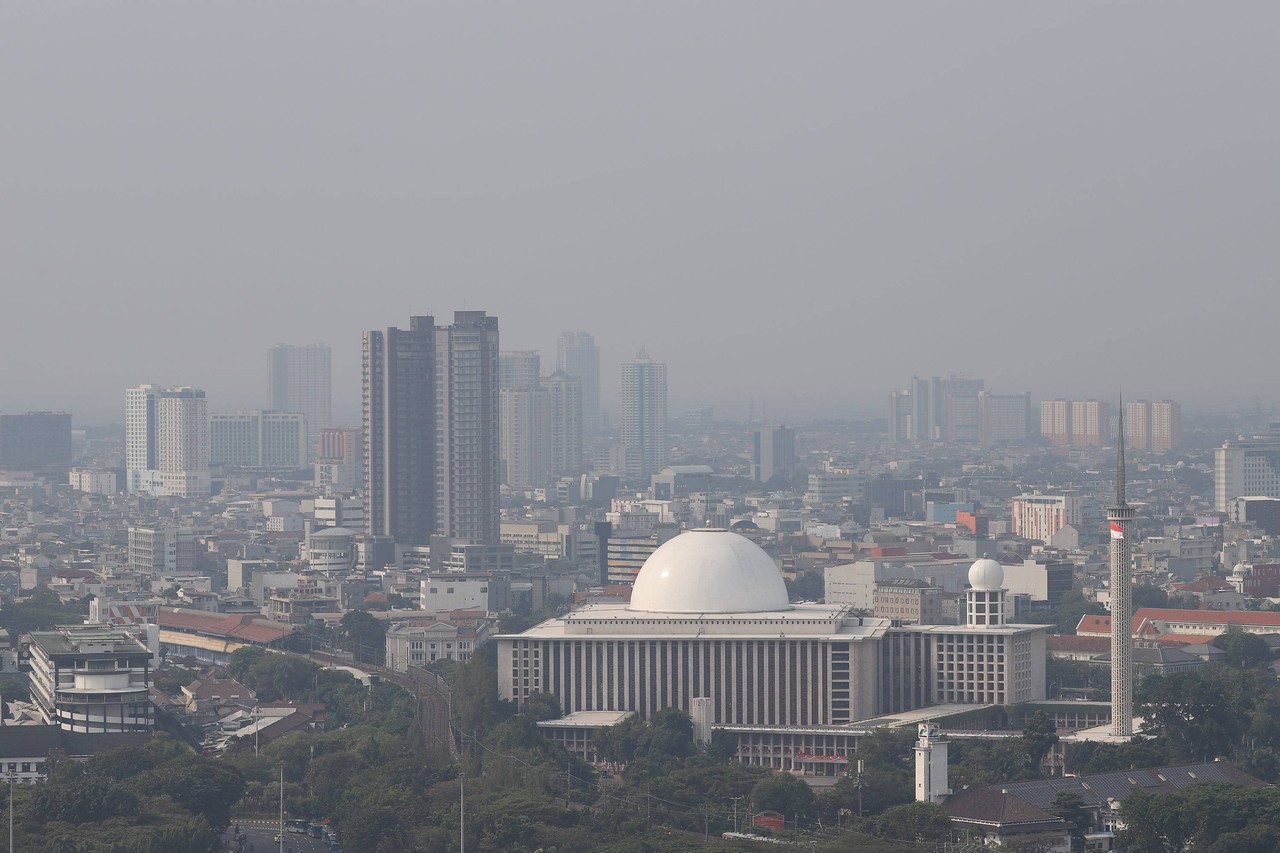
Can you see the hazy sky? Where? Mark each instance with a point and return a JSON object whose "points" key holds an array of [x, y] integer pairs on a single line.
{"points": [[804, 202]]}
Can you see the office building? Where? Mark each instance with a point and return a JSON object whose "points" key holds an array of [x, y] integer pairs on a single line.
{"points": [[162, 550], [1039, 516], [524, 445], [90, 678], [565, 423], [1247, 467], [467, 451], [1004, 418], [94, 481], [399, 406], [773, 453], [261, 440], [1090, 423], [36, 441], [902, 429], [709, 619], [167, 441], [299, 379], [578, 356], [339, 466], [644, 414], [937, 410]]}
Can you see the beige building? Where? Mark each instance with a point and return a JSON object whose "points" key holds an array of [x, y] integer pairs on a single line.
{"points": [[907, 600]]}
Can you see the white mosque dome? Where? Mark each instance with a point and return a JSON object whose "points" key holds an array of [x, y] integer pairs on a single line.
{"points": [[709, 570], [986, 574]]}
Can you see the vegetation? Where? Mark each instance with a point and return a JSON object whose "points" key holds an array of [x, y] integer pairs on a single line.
{"points": [[41, 611]]}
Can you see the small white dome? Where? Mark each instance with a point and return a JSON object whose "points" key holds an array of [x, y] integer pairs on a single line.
{"points": [[986, 574], [709, 570]]}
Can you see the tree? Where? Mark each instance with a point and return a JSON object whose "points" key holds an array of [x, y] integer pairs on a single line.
{"points": [[1244, 650], [366, 636], [926, 823], [276, 677], [1038, 737], [782, 793], [1070, 806], [242, 660]]}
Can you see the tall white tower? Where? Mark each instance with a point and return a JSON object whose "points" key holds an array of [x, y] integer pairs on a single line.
{"points": [[644, 413], [1120, 517], [931, 764]]}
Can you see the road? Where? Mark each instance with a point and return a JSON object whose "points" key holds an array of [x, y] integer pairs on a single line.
{"points": [[434, 714], [259, 837]]}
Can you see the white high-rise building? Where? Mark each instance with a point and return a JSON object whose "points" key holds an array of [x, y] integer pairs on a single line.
{"points": [[644, 414], [167, 441], [577, 355], [1248, 467], [300, 380]]}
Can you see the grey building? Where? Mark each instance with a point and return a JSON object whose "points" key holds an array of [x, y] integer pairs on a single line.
{"points": [[35, 441]]}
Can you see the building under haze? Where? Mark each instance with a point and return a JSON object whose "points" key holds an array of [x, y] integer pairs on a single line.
{"points": [[167, 441], [299, 379], [430, 408], [564, 415], [1154, 426], [1005, 418], [467, 428], [524, 443], [937, 410], [263, 440], [1247, 467], [644, 415], [35, 441], [773, 453], [578, 356]]}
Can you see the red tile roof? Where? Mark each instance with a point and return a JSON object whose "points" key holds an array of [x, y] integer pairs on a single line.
{"points": [[238, 626], [1068, 643]]}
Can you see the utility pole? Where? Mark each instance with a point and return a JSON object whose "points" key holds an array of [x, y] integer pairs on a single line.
{"points": [[462, 801], [10, 813], [568, 782], [735, 812], [281, 808]]}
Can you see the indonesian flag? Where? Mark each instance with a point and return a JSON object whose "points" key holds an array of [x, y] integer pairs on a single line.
{"points": [[1117, 532]]}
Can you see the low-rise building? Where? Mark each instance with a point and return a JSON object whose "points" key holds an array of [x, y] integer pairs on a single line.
{"points": [[89, 678]]}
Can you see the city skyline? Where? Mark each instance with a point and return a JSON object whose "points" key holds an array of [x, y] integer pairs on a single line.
{"points": [[941, 199]]}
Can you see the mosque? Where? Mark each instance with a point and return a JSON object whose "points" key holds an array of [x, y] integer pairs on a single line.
{"points": [[709, 627]]}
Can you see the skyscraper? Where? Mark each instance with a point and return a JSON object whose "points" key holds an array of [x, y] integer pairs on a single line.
{"points": [[467, 409], [524, 420], [644, 414], [564, 403], [1120, 518], [167, 441], [578, 356], [431, 429], [773, 453], [299, 379], [399, 411]]}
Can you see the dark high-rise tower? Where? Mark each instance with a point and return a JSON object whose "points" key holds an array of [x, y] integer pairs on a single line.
{"points": [[1120, 517], [399, 404]]}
